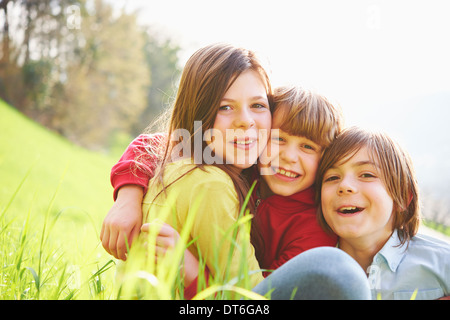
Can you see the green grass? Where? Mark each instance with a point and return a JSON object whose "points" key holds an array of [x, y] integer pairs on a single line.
{"points": [[438, 227], [53, 198]]}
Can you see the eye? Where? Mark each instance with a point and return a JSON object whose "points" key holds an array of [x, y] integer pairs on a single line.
{"points": [[310, 148], [330, 178], [278, 139], [259, 106], [224, 108], [368, 175]]}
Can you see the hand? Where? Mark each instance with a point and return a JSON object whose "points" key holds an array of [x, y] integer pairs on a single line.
{"points": [[167, 239], [123, 222]]}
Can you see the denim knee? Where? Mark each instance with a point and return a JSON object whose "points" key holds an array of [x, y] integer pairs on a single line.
{"points": [[319, 273]]}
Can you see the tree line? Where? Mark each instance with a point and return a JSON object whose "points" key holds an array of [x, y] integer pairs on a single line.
{"points": [[84, 69]]}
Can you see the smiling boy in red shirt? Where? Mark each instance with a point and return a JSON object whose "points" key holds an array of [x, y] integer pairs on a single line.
{"points": [[285, 224]]}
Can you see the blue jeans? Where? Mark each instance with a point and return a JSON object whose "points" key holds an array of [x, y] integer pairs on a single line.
{"points": [[323, 273]]}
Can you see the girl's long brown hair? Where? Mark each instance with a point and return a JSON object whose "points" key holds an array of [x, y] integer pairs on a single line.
{"points": [[206, 77]]}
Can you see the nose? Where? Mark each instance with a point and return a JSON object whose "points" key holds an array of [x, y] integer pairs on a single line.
{"points": [[347, 186], [288, 154], [244, 119]]}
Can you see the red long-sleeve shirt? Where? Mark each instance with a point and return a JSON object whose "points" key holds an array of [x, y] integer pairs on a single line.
{"points": [[138, 162]]}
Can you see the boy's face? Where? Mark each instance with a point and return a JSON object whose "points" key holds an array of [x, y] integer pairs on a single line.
{"points": [[355, 202], [293, 168]]}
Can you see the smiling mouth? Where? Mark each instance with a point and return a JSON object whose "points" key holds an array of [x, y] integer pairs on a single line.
{"points": [[244, 142], [286, 173], [350, 210]]}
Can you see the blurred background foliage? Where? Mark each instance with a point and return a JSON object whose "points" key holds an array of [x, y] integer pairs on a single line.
{"points": [[84, 69]]}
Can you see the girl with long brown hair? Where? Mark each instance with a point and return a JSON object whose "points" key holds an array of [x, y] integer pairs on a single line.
{"points": [[221, 109]]}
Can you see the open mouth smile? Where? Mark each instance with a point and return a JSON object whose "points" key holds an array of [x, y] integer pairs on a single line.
{"points": [[283, 173], [348, 210], [245, 143]]}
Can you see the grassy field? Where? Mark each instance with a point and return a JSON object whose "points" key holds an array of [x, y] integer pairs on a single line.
{"points": [[53, 197]]}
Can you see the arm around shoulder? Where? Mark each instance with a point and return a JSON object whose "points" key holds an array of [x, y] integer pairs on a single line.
{"points": [[123, 221], [138, 162]]}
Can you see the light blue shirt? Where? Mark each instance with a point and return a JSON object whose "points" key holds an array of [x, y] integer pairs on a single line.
{"points": [[397, 271]]}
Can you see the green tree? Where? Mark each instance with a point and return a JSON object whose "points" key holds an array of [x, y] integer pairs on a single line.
{"points": [[106, 82], [84, 69], [162, 60]]}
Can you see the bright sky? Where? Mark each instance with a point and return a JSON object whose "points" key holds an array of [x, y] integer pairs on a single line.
{"points": [[356, 52]]}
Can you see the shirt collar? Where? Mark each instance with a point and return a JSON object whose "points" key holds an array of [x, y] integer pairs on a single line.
{"points": [[306, 196], [392, 251]]}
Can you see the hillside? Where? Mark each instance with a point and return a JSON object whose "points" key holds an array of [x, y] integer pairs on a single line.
{"points": [[49, 229], [84, 194]]}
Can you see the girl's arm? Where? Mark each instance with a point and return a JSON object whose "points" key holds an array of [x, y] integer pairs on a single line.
{"points": [[138, 162], [123, 221], [129, 178]]}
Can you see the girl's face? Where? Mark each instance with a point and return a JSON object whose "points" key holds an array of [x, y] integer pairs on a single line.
{"points": [[355, 202], [243, 122], [292, 164]]}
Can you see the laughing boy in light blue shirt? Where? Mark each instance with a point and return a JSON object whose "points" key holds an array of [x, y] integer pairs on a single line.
{"points": [[370, 198]]}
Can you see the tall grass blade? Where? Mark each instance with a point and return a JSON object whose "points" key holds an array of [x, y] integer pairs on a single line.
{"points": [[414, 295], [16, 191], [36, 278]]}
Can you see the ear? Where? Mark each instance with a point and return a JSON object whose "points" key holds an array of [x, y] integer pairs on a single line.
{"points": [[410, 198], [402, 208]]}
